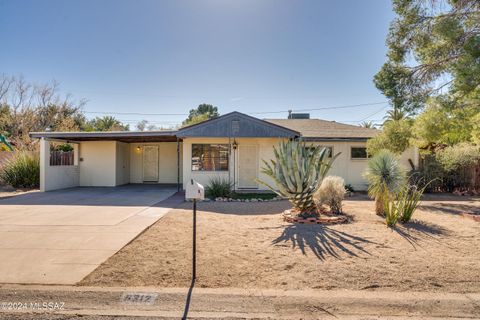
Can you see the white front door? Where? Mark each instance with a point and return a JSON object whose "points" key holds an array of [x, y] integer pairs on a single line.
{"points": [[150, 163], [247, 167]]}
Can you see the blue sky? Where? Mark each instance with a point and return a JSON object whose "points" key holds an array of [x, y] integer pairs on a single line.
{"points": [[169, 56]]}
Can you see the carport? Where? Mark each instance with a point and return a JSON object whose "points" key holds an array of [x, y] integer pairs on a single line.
{"points": [[107, 159], [59, 237]]}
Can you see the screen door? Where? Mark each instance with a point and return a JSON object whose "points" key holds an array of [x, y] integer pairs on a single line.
{"points": [[247, 166], [150, 164]]}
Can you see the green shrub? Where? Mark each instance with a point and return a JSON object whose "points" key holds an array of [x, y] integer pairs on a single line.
{"points": [[349, 188], [392, 211], [22, 171], [403, 205], [410, 198], [218, 187]]}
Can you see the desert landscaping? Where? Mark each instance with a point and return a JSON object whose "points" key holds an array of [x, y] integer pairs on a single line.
{"points": [[247, 245]]}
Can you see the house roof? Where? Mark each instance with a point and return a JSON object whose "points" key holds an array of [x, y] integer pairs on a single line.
{"points": [[123, 136], [317, 129], [233, 124], [236, 124]]}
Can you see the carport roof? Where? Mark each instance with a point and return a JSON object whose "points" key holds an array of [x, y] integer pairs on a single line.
{"points": [[123, 136]]}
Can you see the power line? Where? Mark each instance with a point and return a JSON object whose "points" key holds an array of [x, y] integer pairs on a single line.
{"points": [[265, 112], [376, 112]]}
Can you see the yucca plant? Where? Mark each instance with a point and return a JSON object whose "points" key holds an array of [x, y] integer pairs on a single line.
{"points": [[297, 171], [385, 177], [22, 171], [402, 206], [411, 196], [392, 211]]}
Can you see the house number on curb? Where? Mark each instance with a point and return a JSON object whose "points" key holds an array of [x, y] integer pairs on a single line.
{"points": [[146, 298]]}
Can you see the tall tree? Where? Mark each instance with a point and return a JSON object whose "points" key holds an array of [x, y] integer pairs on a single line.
{"points": [[107, 123], [25, 107], [434, 47], [201, 113], [142, 125], [395, 114], [367, 124]]}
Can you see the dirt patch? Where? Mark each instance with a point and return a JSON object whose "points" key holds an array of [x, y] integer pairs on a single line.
{"points": [[8, 192], [247, 245]]}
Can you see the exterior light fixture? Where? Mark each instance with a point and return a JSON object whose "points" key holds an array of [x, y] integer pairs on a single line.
{"points": [[139, 149], [235, 145]]}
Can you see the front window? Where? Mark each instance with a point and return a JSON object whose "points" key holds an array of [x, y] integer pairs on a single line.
{"points": [[209, 157], [359, 153]]}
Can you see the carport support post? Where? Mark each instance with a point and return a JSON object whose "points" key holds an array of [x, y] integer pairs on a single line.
{"points": [[194, 258], [44, 163]]}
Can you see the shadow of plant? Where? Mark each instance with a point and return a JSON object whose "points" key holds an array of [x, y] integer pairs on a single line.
{"points": [[323, 241], [416, 231], [451, 208]]}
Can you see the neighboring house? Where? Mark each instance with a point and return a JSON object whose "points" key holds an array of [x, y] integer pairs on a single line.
{"points": [[231, 146]]}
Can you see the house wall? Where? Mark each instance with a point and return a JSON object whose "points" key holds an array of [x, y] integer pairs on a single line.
{"points": [[265, 151], [98, 163], [167, 162], [344, 166], [57, 177]]}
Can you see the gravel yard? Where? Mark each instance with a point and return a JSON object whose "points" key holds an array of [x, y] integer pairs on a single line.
{"points": [[247, 245]]}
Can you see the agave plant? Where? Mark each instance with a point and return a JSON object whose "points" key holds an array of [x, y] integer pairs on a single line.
{"points": [[298, 171], [385, 177]]}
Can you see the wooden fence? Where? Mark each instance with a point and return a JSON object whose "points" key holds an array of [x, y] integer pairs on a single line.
{"points": [[62, 158]]}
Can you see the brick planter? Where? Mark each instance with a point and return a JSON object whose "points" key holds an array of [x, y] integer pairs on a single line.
{"points": [[322, 219]]}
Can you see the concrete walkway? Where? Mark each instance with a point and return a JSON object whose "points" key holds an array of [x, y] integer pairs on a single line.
{"points": [[59, 237], [226, 303]]}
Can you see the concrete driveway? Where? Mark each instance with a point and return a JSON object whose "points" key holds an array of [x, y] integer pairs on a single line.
{"points": [[59, 237]]}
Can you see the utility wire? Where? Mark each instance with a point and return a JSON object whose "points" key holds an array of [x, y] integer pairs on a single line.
{"points": [[265, 112], [371, 115]]}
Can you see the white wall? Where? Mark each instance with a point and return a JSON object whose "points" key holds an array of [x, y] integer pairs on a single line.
{"points": [[57, 177], [344, 166], [203, 177], [98, 163], [167, 162], [265, 151]]}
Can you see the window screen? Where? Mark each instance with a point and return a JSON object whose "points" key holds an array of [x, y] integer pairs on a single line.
{"points": [[209, 157], [359, 153]]}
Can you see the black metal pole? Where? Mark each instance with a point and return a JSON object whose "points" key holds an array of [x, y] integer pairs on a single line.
{"points": [[194, 259]]}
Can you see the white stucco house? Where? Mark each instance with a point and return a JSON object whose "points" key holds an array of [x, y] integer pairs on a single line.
{"points": [[230, 146]]}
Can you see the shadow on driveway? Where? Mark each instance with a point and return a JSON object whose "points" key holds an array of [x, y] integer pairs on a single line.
{"points": [[131, 195]]}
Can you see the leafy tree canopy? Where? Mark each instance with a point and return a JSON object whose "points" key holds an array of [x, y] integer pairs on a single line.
{"points": [[201, 113], [444, 124], [106, 123], [458, 156], [395, 137], [432, 44], [27, 107]]}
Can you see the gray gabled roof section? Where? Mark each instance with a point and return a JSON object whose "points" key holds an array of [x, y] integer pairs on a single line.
{"points": [[236, 124]]}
